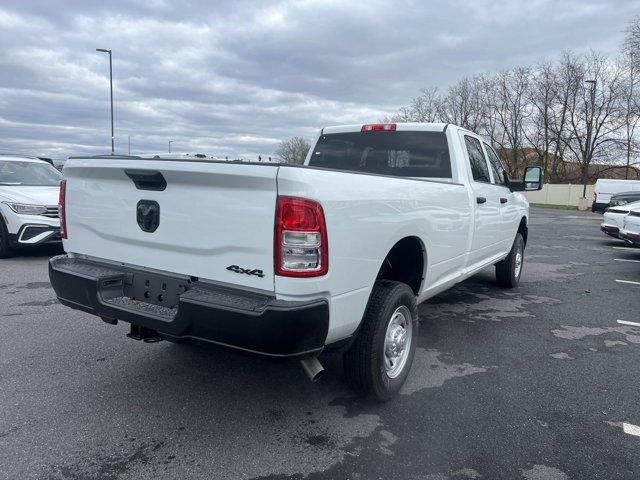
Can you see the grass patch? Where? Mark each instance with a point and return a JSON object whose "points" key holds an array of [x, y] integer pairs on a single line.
{"points": [[556, 207]]}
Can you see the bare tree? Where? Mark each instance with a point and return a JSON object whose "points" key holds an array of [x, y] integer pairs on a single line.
{"points": [[631, 45], [463, 104], [571, 115], [424, 108], [568, 75], [512, 109], [630, 105], [490, 124], [293, 150], [593, 114], [542, 96]]}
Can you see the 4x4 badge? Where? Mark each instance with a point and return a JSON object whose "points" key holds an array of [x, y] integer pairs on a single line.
{"points": [[248, 271]]}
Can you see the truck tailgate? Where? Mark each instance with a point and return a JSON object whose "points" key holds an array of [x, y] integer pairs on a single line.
{"points": [[216, 220]]}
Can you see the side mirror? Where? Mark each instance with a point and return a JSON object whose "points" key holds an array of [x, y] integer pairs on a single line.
{"points": [[532, 180]]}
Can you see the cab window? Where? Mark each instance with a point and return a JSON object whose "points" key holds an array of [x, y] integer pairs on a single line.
{"points": [[478, 163], [499, 175]]}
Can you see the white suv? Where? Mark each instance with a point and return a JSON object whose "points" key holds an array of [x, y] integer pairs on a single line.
{"points": [[29, 190], [631, 228], [613, 218]]}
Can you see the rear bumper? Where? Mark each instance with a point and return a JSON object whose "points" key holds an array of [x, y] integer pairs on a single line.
{"points": [[610, 230], [631, 237], [195, 311]]}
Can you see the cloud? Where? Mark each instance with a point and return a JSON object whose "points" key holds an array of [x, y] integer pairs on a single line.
{"points": [[236, 77]]}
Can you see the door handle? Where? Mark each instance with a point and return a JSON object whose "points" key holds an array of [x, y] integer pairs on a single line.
{"points": [[481, 200], [503, 200]]}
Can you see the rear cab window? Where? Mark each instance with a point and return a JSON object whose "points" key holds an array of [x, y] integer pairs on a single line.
{"points": [[397, 153]]}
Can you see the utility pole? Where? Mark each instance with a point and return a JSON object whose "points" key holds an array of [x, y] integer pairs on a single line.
{"points": [[104, 50]]}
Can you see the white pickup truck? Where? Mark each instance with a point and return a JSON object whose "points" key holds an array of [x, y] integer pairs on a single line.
{"points": [[286, 260]]}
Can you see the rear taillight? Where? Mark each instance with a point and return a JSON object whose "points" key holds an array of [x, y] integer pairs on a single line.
{"points": [[595, 197], [301, 247], [378, 127], [62, 210]]}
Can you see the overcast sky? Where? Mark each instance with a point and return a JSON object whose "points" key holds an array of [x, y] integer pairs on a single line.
{"points": [[235, 77]]}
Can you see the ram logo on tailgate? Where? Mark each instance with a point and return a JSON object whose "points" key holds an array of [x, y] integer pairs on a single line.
{"points": [[148, 215]]}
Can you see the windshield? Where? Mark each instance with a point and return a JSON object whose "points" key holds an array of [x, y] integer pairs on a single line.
{"points": [[28, 174], [403, 154]]}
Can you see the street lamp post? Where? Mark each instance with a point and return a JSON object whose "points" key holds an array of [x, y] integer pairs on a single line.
{"points": [[170, 142], [104, 50]]}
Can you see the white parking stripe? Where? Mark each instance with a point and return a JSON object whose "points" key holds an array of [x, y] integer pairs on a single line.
{"points": [[628, 281], [631, 324], [626, 260], [624, 248], [631, 429]]}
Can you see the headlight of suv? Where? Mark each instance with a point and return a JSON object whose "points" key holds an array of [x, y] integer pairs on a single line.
{"points": [[24, 209]]}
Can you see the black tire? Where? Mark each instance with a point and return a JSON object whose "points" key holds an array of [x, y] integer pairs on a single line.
{"points": [[5, 248], [364, 362], [507, 272]]}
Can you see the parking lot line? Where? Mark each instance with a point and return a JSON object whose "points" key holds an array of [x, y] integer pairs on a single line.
{"points": [[626, 260], [628, 281], [626, 322], [624, 248], [631, 429]]}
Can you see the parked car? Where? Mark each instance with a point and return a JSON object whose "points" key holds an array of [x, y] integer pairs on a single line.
{"points": [[631, 228], [287, 260], [605, 188], [613, 218], [624, 198], [28, 203]]}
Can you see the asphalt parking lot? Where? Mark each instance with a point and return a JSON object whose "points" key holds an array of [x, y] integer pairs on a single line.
{"points": [[536, 383]]}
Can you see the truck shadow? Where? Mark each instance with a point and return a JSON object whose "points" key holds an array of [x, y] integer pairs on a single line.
{"points": [[43, 251], [177, 376], [169, 397]]}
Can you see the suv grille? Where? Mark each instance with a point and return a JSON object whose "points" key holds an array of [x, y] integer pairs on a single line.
{"points": [[52, 212]]}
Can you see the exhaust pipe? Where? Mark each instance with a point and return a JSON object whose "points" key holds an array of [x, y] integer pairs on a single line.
{"points": [[313, 368]]}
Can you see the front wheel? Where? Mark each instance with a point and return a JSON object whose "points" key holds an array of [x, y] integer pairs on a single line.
{"points": [[5, 248], [378, 362], [509, 270]]}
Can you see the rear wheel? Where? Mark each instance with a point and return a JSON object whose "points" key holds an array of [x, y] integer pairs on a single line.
{"points": [[379, 361], [509, 270], [5, 248]]}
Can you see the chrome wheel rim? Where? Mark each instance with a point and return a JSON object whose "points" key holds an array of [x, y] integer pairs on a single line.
{"points": [[518, 263], [397, 341]]}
